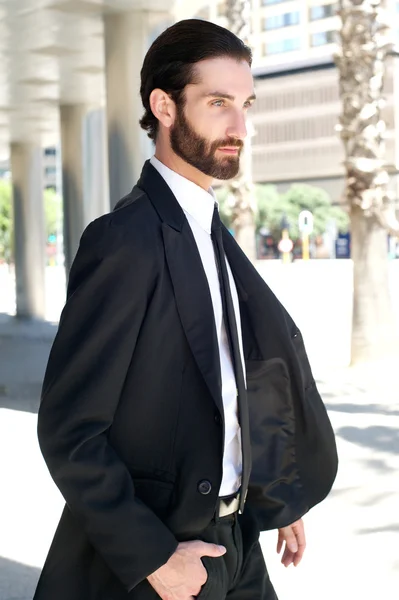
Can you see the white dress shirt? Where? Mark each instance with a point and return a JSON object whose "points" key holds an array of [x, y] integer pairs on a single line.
{"points": [[198, 206]]}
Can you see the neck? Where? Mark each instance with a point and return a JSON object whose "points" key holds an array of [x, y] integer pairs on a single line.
{"points": [[180, 166]]}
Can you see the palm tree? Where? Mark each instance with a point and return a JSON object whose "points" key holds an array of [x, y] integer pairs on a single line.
{"points": [[241, 198], [364, 45]]}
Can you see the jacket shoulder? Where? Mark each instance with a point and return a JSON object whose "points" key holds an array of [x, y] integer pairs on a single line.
{"points": [[132, 224], [126, 240]]}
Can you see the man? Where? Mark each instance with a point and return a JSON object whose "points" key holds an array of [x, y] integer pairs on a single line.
{"points": [[179, 416]]}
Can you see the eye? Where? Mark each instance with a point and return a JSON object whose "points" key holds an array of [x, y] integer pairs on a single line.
{"points": [[248, 104], [218, 103]]}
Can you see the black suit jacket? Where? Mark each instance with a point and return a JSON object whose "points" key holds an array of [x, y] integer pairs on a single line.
{"points": [[131, 417]]}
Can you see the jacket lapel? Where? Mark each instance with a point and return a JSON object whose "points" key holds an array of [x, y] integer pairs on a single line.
{"points": [[189, 281], [194, 304]]}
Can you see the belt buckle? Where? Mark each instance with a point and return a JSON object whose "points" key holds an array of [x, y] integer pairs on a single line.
{"points": [[230, 508]]}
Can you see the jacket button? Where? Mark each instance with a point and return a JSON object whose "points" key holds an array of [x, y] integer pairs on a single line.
{"points": [[218, 419], [204, 487]]}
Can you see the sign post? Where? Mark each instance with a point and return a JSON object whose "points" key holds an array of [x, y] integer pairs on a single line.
{"points": [[285, 245], [305, 224]]}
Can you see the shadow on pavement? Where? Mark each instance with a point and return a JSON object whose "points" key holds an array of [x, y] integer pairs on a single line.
{"points": [[382, 529], [330, 389], [24, 405], [24, 349], [358, 496], [12, 327], [377, 437], [378, 465], [17, 581], [376, 499], [343, 491], [373, 409]]}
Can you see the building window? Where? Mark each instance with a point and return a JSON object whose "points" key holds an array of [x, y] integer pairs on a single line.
{"points": [[283, 20], [280, 46], [322, 37], [50, 170], [50, 151], [322, 12]]}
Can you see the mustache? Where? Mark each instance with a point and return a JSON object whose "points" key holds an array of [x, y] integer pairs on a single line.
{"points": [[230, 143]]}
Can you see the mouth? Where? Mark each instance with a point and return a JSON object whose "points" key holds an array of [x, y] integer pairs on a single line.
{"points": [[230, 151]]}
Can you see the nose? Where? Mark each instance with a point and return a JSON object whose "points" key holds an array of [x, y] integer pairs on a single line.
{"points": [[238, 128]]}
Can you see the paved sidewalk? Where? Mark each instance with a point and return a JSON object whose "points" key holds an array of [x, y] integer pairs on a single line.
{"points": [[352, 537]]}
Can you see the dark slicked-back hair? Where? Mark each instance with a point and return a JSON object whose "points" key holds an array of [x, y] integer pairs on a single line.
{"points": [[170, 62]]}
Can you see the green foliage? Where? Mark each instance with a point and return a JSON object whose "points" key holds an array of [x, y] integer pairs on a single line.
{"points": [[52, 210], [6, 221], [272, 207]]}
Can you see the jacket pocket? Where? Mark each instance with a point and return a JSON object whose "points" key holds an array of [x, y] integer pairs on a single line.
{"points": [[155, 494], [271, 414], [274, 480]]}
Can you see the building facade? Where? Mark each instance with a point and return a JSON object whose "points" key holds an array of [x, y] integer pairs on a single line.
{"points": [[298, 104], [69, 76]]}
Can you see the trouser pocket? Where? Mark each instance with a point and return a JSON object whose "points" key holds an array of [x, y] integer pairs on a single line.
{"points": [[215, 587]]}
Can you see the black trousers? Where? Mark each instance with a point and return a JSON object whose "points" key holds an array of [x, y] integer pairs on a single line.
{"points": [[240, 574]]}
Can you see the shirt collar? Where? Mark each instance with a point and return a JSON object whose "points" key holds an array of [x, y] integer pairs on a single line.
{"points": [[194, 200]]}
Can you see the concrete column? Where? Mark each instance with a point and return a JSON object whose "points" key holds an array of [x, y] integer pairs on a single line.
{"points": [[96, 190], [127, 39], [29, 230], [72, 155]]}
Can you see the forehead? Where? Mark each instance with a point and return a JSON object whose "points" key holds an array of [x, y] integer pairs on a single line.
{"points": [[233, 77]]}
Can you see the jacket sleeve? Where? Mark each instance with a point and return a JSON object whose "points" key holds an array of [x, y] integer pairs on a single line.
{"points": [[109, 290]]}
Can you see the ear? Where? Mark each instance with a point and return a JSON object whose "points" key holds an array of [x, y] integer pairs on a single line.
{"points": [[163, 107]]}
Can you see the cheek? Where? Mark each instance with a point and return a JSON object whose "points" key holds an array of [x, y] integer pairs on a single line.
{"points": [[218, 124], [208, 123], [215, 128]]}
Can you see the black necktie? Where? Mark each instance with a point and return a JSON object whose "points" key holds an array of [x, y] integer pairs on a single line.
{"points": [[232, 336]]}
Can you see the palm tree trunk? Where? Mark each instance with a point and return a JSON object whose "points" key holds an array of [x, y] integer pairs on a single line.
{"points": [[361, 64], [373, 326], [242, 200]]}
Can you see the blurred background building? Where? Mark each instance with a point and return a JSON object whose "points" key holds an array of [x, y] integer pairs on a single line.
{"points": [[297, 93], [70, 106], [293, 42]]}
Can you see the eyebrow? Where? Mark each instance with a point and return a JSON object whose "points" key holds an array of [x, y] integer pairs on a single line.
{"points": [[217, 94]]}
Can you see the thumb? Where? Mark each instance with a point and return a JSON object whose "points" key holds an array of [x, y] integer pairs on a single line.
{"points": [[211, 550]]}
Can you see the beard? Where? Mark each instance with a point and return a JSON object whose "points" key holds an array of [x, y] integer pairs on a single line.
{"points": [[200, 153]]}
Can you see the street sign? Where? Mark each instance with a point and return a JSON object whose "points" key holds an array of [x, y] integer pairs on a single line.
{"points": [[285, 245], [343, 245], [305, 222]]}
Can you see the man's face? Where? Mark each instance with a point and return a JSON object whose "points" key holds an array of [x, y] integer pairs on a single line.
{"points": [[209, 130]]}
